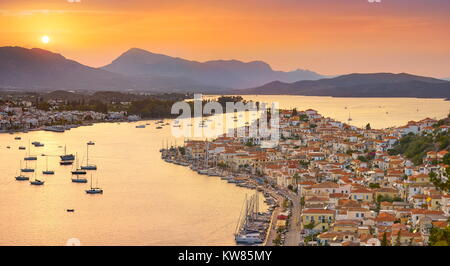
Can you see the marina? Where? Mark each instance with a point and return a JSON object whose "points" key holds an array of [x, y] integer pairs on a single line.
{"points": [[159, 202], [168, 195]]}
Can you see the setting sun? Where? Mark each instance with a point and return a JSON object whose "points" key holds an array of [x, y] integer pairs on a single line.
{"points": [[45, 39]]}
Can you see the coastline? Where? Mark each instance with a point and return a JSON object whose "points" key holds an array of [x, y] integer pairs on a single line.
{"points": [[272, 197]]}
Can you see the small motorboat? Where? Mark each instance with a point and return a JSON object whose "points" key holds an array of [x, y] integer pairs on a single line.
{"points": [[22, 148], [91, 143], [66, 162], [158, 127], [70, 210], [17, 138], [37, 144]]}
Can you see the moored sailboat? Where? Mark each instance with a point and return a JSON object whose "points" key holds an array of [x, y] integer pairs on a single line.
{"points": [[21, 177], [77, 170], [47, 172], [94, 190], [36, 182], [88, 166], [67, 157]]}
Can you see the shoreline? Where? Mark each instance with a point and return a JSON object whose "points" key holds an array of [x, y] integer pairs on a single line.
{"points": [[71, 126], [248, 181]]}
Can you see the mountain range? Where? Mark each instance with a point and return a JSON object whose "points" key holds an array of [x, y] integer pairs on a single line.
{"points": [[139, 70], [136, 69], [222, 73], [360, 85]]}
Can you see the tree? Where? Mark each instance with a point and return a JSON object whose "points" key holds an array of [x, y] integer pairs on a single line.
{"points": [[384, 241], [397, 240], [302, 201], [439, 237], [374, 185], [368, 127]]}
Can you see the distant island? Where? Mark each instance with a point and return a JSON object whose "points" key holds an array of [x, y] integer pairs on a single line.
{"points": [[360, 85]]}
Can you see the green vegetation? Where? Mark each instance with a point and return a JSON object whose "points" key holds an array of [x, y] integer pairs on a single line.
{"points": [[438, 183], [439, 237], [415, 147], [397, 240], [302, 201], [151, 108], [384, 241], [277, 240], [374, 185], [312, 237], [182, 150], [380, 199], [310, 225]]}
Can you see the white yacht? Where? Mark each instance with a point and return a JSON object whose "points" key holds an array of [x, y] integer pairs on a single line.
{"points": [[249, 239]]}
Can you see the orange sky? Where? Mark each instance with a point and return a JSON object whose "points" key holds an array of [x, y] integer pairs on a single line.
{"points": [[327, 36]]}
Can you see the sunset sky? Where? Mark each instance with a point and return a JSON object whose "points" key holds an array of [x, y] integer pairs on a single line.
{"points": [[327, 36]]}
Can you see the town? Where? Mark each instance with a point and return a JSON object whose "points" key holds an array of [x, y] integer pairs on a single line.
{"points": [[62, 110], [25, 117], [328, 183]]}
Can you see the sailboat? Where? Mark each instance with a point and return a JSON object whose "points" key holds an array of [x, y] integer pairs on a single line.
{"points": [[47, 172], [79, 179], [37, 182], [78, 171], [67, 157], [21, 177], [29, 157], [26, 169], [88, 166], [94, 190], [349, 117]]}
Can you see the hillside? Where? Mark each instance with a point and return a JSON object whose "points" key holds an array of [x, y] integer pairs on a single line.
{"points": [[222, 73], [361, 85], [41, 70]]}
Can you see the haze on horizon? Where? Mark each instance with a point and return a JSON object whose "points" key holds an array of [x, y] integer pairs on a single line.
{"points": [[330, 37]]}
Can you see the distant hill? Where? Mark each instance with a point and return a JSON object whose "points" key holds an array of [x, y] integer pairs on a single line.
{"points": [[222, 73], [37, 69], [361, 85], [40, 69]]}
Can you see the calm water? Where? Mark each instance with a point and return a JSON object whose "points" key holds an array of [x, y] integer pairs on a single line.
{"points": [[379, 112], [146, 201]]}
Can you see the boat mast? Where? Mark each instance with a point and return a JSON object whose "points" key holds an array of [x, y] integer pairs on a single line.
{"points": [[87, 154]]}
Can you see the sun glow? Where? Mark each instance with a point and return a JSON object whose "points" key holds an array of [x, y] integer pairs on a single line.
{"points": [[45, 39]]}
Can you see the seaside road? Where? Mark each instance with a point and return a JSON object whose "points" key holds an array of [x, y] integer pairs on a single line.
{"points": [[272, 231], [293, 234]]}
